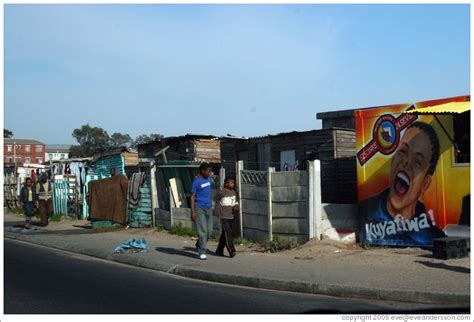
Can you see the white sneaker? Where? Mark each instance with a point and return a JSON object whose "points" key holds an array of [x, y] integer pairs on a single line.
{"points": [[202, 256]]}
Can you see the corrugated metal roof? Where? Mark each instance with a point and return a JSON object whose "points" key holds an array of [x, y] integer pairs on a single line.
{"points": [[448, 108]]}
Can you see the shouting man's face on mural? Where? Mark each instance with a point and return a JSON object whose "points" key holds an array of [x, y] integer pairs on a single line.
{"points": [[411, 170]]}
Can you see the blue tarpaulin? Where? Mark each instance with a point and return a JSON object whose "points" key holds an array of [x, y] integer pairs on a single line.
{"points": [[132, 246]]}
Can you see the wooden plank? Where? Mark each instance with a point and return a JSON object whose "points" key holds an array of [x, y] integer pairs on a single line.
{"points": [[291, 225], [178, 193], [297, 209], [286, 194]]}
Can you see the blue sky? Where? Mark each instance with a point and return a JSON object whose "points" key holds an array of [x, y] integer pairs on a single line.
{"points": [[247, 70]]}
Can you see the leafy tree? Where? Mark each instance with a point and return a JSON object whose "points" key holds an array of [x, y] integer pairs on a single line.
{"points": [[119, 139], [7, 133], [90, 139], [77, 151]]}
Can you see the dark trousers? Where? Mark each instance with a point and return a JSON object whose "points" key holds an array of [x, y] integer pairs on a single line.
{"points": [[46, 210], [227, 236]]}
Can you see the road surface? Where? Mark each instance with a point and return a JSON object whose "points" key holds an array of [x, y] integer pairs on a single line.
{"points": [[43, 280]]}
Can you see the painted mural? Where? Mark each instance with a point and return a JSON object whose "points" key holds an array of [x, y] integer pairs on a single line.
{"points": [[409, 186]]}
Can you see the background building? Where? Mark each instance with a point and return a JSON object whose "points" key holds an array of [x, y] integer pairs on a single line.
{"points": [[56, 152], [23, 151]]}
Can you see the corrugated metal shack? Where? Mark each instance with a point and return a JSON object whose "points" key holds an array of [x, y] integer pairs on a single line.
{"points": [[189, 147], [335, 147], [124, 161]]}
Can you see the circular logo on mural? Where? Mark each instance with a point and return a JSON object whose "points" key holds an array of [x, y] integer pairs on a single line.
{"points": [[386, 135]]}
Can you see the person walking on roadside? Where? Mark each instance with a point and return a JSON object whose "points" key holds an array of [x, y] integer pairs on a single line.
{"points": [[228, 206], [44, 201], [28, 200], [201, 205]]}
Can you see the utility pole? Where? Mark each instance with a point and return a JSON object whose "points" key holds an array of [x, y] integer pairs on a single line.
{"points": [[14, 155]]}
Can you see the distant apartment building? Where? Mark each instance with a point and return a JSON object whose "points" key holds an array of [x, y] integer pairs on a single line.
{"points": [[57, 152], [23, 151]]}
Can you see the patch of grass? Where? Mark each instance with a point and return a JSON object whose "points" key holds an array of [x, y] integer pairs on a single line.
{"points": [[108, 229], [367, 246], [181, 230], [160, 228], [243, 241], [55, 218], [278, 244]]}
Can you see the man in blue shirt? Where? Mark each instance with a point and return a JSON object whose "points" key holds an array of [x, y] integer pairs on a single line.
{"points": [[201, 205]]}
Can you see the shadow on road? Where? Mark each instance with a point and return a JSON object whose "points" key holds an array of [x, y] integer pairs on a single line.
{"points": [[83, 226], [20, 224], [458, 269]]}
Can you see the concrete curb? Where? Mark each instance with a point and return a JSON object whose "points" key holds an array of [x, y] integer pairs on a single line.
{"points": [[345, 291]]}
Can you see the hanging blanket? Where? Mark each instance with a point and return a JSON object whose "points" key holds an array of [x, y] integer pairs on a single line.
{"points": [[108, 199]]}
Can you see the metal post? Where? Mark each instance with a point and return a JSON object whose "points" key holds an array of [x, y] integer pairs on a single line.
{"points": [[171, 207], [311, 215], [14, 157], [270, 203], [240, 167], [315, 210], [317, 199]]}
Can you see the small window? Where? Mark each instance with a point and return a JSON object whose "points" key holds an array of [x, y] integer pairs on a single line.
{"points": [[39, 160], [62, 155], [9, 148], [288, 160], [27, 160], [39, 148], [27, 148], [462, 137], [9, 160], [50, 155]]}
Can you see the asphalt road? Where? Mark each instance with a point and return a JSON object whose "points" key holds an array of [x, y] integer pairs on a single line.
{"points": [[42, 280]]}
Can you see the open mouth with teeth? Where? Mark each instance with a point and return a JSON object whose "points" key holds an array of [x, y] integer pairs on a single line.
{"points": [[402, 183]]}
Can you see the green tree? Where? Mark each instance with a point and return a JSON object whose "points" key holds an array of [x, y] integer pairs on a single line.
{"points": [[77, 151], [90, 139], [141, 139], [119, 139], [7, 133]]}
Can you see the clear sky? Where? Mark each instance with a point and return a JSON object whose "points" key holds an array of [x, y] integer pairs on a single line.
{"points": [[247, 70]]}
